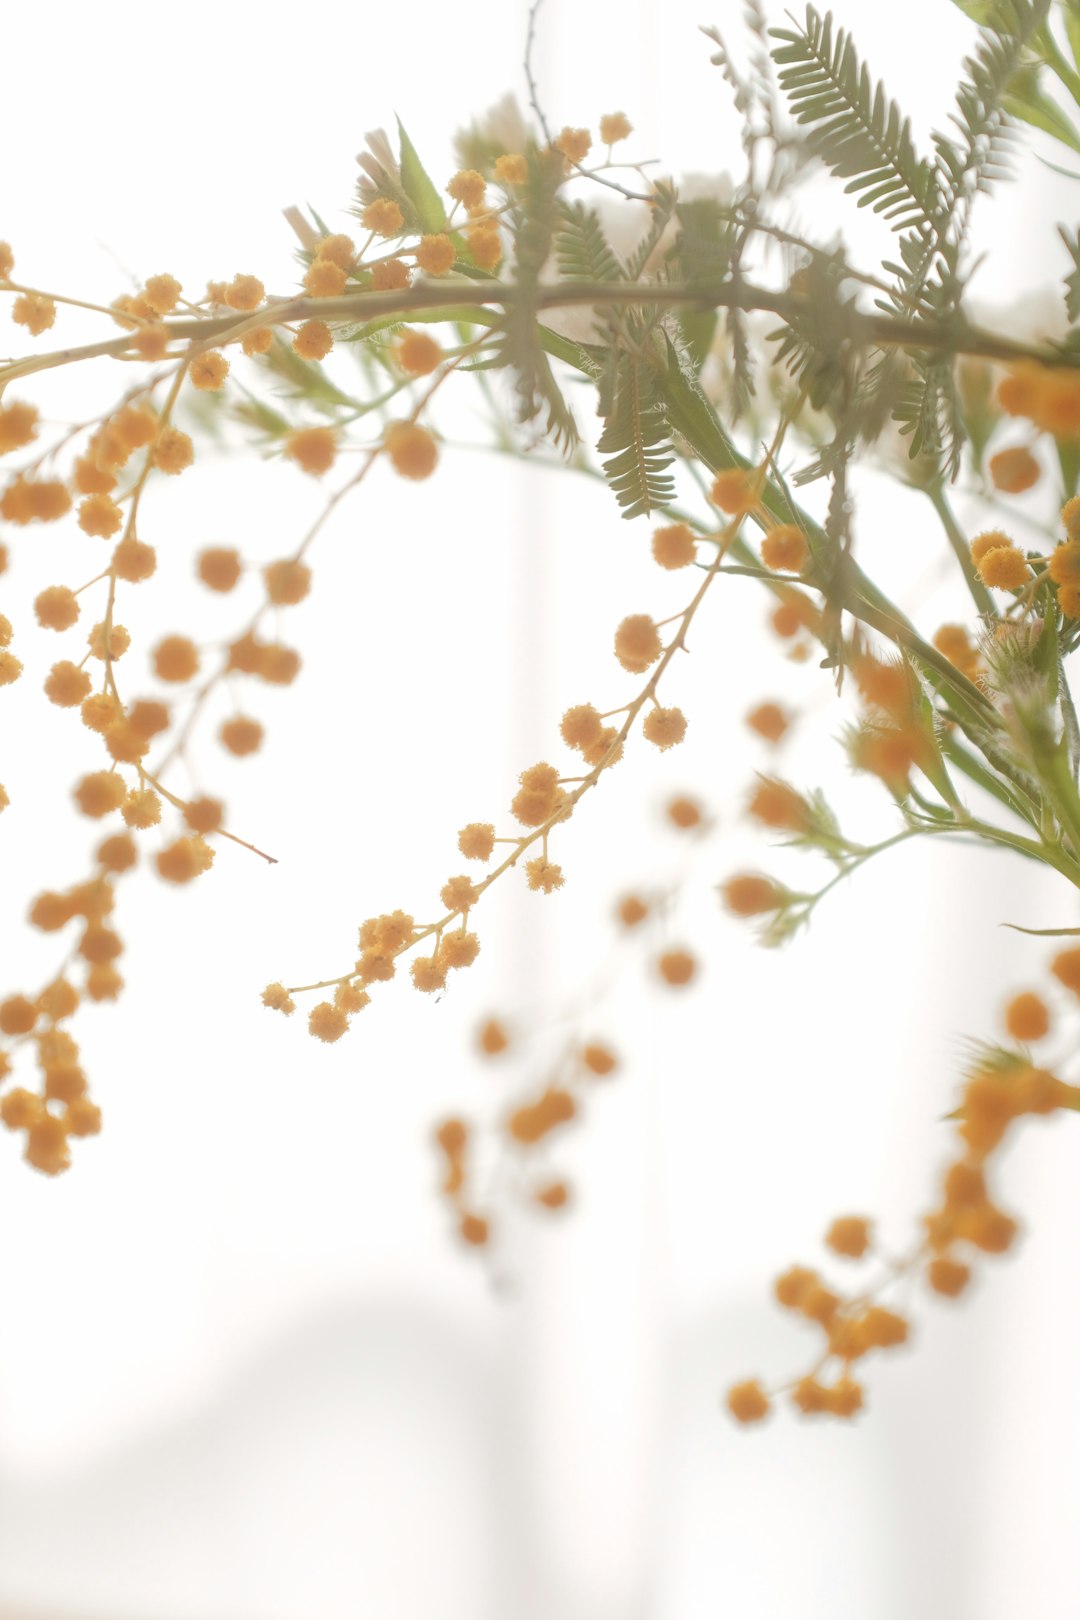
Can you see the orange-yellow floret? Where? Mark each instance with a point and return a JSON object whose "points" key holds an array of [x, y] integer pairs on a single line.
{"points": [[66, 684], [749, 895], [29, 500], [428, 973], [90, 479], [184, 859], [747, 1402], [581, 726], [133, 560], [598, 1058], [989, 540], [849, 1235], [7, 261], [313, 341], [389, 275], [492, 1038], [204, 815], [474, 1229], [278, 999], [209, 371], [51, 911], [112, 644], [458, 949], [56, 607], [99, 793], [350, 998], [412, 450], [18, 425], [20, 1109], [100, 515], [485, 245], [674, 546], [1014, 471], [734, 491], [141, 809], [948, 1277], [664, 727], [769, 721], [219, 567], [100, 711], [637, 643], [18, 1015], [245, 292], [605, 748], [313, 449], [35, 311], [435, 254], [543, 875], [684, 812], [1027, 1017], [383, 216], [477, 840], [287, 581], [615, 127], [125, 742], [103, 982], [261, 341], [458, 894], [325, 279], [512, 168], [1004, 568], [151, 342], [676, 967], [173, 452], [118, 853], [162, 293], [241, 736], [339, 249], [10, 668], [784, 548], [574, 144], [777, 804], [46, 1145], [418, 353], [327, 1022], [467, 187], [176, 658], [631, 910]]}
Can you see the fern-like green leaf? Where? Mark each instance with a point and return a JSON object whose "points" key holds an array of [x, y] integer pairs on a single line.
{"points": [[582, 251], [971, 162], [1072, 280], [520, 347], [636, 440], [852, 124]]}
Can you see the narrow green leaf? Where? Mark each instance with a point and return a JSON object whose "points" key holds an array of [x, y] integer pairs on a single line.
{"points": [[1033, 106], [419, 188]]}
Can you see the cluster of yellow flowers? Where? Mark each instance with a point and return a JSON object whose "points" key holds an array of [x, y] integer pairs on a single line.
{"points": [[95, 475], [1003, 1086], [111, 461]]}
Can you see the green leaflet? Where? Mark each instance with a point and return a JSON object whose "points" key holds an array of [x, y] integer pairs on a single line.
{"points": [[852, 124], [520, 347], [582, 250], [1072, 280], [637, 437], [419, 187]]}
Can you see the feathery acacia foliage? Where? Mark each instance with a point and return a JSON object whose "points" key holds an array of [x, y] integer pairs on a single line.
{"points": [[969, 728]]}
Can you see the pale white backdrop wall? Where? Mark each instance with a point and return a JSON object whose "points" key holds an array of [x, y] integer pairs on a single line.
{"points": [[244, 1372]]}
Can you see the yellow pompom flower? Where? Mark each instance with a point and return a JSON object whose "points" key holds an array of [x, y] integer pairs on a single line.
{"points": [[412, 450]]}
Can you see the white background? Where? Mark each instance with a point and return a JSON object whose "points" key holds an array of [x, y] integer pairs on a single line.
{"points": [[244, 1369]]}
